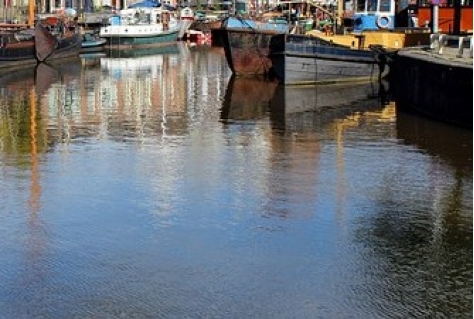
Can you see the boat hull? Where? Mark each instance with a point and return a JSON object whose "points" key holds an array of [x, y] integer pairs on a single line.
{"points": [[206, 26], [25, 53], [246, 45], [298, 59], [92, 43], [16, 53], [247, 53], [67, 47], [141, 26], [138, 35]]}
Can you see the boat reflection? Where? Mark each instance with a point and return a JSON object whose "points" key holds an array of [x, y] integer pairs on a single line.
{"points": [[318, 105], [26, 138], [170, 48], [304, 108], [246, 99], [46, 75], [97, 95], [294, 99], [150, 86], [92, 59], [41, 94]]}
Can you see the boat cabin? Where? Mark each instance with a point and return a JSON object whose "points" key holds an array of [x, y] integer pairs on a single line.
{"points": [[374, 15], [138, 16], [455, 16]]}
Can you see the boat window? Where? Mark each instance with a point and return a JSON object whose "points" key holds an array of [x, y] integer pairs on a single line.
{"points": [[372, 5], [385, 5], [360, 5]]}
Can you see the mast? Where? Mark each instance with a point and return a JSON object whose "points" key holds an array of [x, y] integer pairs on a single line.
{"points": [[31, 13], [340, 12]]}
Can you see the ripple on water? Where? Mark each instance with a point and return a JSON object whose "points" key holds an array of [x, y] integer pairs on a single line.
{"points": [[144, 198]]}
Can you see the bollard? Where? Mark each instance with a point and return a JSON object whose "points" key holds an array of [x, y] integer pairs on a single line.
{"points": [[434, 41], [442, 43], [470, 47], [460, 47]]}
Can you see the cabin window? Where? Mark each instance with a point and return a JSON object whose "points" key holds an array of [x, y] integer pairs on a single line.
{"points": [[360, 6], [385, 5], [372, 5]]}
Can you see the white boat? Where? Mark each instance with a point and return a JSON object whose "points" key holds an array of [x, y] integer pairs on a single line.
{"points": [[186, 17], [91, 42], [141, 26]]}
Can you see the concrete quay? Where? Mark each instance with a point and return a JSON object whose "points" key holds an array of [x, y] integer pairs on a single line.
{"points": [[436, 81]]}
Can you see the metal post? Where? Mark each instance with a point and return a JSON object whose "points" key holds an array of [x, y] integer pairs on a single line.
{"points": [[340, 11], [460, 47], [435, 16], [442, 43]]}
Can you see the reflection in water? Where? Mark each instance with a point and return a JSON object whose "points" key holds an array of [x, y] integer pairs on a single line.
{"points": [[300, 117], [164, 49], [325, 104], [144, 90], [247, 99], [35, 189], [37, 243], [160, 186], [450, 144], [427, 237], [24, 142]]}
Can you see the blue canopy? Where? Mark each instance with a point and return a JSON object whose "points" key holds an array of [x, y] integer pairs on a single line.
{"points": [[145, 4], [150, 4]]}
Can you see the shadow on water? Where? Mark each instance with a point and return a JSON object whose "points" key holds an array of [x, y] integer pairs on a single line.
{"points": [[246, 99], [300, 107], [143, 51], [427, 238], [317, 106], [449, 143]]}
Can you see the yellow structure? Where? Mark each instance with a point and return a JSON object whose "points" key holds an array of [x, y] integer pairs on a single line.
{"points": [[392, 40]]}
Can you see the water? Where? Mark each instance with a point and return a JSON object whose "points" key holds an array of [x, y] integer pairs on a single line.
{"points": [[161, 187]]}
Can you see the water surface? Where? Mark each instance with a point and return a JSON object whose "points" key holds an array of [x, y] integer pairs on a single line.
{"points": [[158, 186]]}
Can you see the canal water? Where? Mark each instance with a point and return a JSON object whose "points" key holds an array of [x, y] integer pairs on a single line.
{"points": [[155, 185]]}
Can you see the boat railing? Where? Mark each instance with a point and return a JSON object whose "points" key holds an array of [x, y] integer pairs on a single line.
{"points": [[439, 43]]}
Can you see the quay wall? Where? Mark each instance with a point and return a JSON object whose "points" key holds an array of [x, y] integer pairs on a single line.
{"points": [[439, 87]]}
